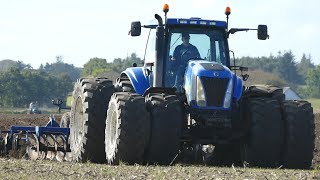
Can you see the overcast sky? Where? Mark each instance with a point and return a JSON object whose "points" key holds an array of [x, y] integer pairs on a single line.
{"points": [[36, 31]]}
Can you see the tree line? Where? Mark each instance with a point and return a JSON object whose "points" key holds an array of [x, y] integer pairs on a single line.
{"points": [[20, 83], [301, 75]]}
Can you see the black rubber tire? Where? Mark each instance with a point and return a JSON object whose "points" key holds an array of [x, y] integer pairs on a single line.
{"points": [[226, 155], [166, 114], [269, 91], [264, 143], [65, 120], [299, 134], [127, 128], [124, 84], [87, 119]]}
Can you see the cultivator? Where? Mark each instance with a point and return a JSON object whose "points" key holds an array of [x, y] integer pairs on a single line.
{"points": [[39, 142]]}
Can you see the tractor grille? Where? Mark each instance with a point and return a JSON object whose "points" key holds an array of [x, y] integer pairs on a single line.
{"points": [[215, 89]]}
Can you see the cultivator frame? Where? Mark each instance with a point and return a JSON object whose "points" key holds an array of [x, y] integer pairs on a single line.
{"points": [[37, 142]]}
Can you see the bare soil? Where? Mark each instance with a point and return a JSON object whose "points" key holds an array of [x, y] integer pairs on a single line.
{"points": [[7, 120], [316, 154], [25, 169]]}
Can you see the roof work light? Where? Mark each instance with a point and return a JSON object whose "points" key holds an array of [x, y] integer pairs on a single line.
{"points": [[165, 8], [228, 11]]}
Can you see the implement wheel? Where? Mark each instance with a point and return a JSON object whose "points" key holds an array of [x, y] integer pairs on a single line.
{"points": [[87, 119], [127, 128]]}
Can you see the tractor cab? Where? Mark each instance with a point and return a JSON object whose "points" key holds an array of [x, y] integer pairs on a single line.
{"points": [[189, 40], [180, 41], [192, 59]]}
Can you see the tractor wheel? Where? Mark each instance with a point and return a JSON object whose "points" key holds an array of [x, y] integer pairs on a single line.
{"points": [[299, 134], [123, 84], [127, 128], [264, 142], [166, 126], [65, 120], [270, 91], [226, 155], [87, 118]]}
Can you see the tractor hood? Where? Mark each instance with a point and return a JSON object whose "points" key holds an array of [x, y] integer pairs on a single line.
{"points": [[211, 85]]}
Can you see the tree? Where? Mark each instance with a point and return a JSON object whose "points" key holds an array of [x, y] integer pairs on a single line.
{"points": [[99, 66], [313, 82], [286, 68], [95, 66], [60, 68], [304, 66], [120, 65], [19, 87], [5, 65]]}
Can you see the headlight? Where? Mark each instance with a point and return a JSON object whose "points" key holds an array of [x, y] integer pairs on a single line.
{"points": [[201, 98], [228, 96]]}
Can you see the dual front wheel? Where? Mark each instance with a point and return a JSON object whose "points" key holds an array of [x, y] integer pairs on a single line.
{"points": [[138, 131], [122, 126]]}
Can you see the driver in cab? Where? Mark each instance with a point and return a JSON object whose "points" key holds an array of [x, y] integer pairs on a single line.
{"points": [[185, 51], [181, 55]]}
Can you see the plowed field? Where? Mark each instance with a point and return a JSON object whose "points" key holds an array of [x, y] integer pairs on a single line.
{"points": [[25, 169], [6, 120]]}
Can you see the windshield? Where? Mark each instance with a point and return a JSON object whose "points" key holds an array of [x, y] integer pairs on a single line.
{"points": [[209, 45]]}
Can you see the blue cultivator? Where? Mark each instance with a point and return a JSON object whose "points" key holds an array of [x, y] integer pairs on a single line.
{"points": [[39, 142]]}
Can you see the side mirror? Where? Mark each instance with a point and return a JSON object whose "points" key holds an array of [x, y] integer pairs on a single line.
{"points": [[263, 32], [135, 28]]}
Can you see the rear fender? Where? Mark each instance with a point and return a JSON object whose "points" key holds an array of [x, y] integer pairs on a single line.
{"points": [[138, 79]]}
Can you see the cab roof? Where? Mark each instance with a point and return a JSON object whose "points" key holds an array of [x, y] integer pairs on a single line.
{"points": [[196, 21]]}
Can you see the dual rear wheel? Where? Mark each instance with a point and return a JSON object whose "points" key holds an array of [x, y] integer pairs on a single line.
{"points": [[281, 133]]}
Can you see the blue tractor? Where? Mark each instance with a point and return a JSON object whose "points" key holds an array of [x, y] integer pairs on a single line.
{"points": [[189, 104]]}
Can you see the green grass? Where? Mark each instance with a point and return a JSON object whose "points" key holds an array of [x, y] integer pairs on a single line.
{"points": [[69, 99], [315, 104]]}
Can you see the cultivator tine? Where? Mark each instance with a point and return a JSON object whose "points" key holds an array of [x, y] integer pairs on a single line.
{"points": [[33, 147], [19, 145], [42, 148], [61, 148], [3, 143], [50, 143]]}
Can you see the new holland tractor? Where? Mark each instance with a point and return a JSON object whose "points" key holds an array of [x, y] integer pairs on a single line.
{"points": [[182, 108]]}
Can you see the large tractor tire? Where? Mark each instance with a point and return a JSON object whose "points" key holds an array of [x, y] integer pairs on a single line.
{"points": [[123, 84], [87, 122], [264, 142], [65, 120], [226, 155], [269, 91], [127, 128], [166, 126], [299, 134]]}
